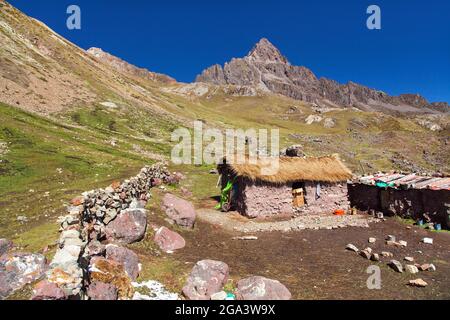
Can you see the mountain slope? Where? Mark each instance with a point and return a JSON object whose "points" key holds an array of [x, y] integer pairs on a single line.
{"points": [[267, 69]]}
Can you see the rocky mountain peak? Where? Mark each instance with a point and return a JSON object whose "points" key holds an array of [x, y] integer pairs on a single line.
{"points": [[265, 51], [267, 69]]}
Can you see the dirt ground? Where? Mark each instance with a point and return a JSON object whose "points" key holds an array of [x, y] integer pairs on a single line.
{"points": [[314, 264]]}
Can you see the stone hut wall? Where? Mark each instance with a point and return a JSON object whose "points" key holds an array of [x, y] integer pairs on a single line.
{"points": [[332, 196], [258, 199], [411, 203]]}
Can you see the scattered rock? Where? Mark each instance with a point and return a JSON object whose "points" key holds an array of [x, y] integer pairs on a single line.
{"points": [[329, 123], [386, 254], [403, 243], [128, 227], [206, 278], [102, 291], [375, 257], [397, 266], [365, 254], [213, 171], [411, 269], [391, 238], [427, 267], [352, 247], [182, 212], [168, 240], [372, 240], [22, 219], [246, 238], [260, 288], [126, 257], [46, 290], [5, 246], [78, 201], [418, 283], [427, 240], [409, 259], [313, 118]]}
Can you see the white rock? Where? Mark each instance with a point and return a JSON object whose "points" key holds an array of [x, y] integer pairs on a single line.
{"points": [[427, 240], [221, 295], [372, 240], [411, 269]]}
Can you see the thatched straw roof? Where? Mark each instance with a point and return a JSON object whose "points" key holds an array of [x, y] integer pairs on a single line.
{"points": [[292, 169]]}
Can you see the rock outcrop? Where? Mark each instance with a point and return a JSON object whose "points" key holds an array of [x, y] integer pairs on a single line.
{"points": [[266, 69]]}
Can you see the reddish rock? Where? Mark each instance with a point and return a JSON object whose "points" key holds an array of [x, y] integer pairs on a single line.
{"points": [[95, 248], [102, 291], [260, 288], [19, 269], [126, 257], [46, 290], [155, 182], [113, 273], [180, 211], [128, 227], [5, 246], [78, 201], [206, 278], [169, 240]]}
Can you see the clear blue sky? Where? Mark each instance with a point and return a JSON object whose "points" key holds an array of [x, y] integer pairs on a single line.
{"points": [[411, 54]]}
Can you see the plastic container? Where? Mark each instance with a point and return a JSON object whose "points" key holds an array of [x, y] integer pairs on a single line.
{"points": [[339, 212], [438, 227]]}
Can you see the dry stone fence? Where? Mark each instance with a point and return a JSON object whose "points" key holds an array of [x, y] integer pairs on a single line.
{"points": [[83, 266]]}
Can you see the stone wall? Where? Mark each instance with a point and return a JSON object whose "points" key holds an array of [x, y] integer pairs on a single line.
{"points": [[332, 196], [257, 199], [89, 225], [411, 203]]}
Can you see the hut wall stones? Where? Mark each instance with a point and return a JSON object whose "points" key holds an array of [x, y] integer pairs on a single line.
{"points": [[332, 196], [408, 203], [263, 199]]}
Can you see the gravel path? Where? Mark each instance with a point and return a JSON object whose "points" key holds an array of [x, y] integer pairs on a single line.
{"points": [[232, 221]]}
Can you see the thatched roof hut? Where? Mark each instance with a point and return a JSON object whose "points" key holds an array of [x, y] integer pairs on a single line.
{"points": [[306, 185]]}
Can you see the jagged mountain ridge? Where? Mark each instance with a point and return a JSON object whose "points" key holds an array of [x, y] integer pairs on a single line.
{"points": [[267, 69], [128, 68]]}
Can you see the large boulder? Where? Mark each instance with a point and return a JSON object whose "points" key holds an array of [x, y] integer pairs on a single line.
{"points": [[206, 278], [19, 269], [5, 246], [102, 291], [180, 211], [46, 290], [111, 272], [168, 240], [260, 288], [128, 227], [126, 257]]}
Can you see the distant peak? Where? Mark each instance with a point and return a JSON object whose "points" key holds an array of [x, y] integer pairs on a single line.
{"points": [[265, 51]]}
